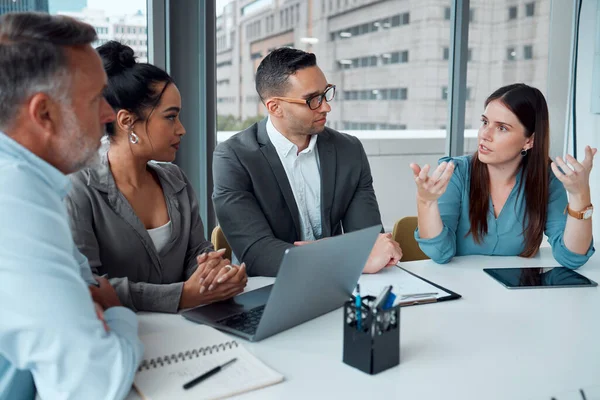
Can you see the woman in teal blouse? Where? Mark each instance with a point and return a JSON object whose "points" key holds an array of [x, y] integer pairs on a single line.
{"points": [[502, 199]]}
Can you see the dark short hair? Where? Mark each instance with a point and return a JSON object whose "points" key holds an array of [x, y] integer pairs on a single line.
{"points": [[131, 85], [273, 72], [33, 57]]}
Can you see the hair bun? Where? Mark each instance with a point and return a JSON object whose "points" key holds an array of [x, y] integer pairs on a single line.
{"points": [[116, 57]]}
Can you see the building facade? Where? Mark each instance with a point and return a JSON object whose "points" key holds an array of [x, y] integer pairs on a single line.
{"points": [[128, 29], [7, 6], [388, 58]]}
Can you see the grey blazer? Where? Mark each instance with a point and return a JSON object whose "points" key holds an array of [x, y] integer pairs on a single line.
{"points": [[255, 204], [108, 232]]}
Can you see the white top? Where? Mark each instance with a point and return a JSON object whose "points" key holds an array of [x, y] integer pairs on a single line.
{"points": [[493, 344], [160, 236], [304, 175]]}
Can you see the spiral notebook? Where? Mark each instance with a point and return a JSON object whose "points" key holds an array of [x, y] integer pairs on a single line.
{"points": [[175, 358]]}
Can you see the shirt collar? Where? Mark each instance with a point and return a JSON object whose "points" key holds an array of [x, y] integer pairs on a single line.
{"points": [[58, 181], [283, 144]]}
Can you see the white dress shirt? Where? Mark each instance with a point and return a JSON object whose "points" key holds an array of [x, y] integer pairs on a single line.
{"points": [[303, 172]]}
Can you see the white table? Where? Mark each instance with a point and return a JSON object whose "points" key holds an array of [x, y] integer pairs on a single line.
{"points": [[494, 343]]}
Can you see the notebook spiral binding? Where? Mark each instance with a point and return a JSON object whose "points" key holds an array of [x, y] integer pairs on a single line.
{"points": [[188, 355]]}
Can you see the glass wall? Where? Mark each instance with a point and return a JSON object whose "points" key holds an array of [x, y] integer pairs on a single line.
{"points": [[510, 43], [125, 21], [389, 60]]}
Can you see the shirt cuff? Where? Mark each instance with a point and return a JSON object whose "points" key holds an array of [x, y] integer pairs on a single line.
{"points": [[439, 248], [569, 259], [122, 320]]}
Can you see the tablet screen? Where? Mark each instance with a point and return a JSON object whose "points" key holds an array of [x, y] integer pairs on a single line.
{"points": [[522, 278]]}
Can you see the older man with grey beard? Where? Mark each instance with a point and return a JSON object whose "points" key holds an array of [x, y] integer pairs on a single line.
{"points": [[55, 338]]}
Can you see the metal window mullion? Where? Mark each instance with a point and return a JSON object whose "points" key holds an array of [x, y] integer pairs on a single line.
{"points": [[457, 80], [157, 32]]}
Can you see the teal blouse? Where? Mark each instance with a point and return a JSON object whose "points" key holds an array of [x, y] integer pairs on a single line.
{"points": [[505, 233]]}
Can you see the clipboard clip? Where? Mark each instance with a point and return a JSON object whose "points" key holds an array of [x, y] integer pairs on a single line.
{"points": [[419, 301]]}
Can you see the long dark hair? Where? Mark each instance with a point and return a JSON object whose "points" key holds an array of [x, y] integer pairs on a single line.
{"points": [[530, 107]]}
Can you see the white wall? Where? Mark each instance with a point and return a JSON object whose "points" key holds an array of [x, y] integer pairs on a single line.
{"points": [[392, 177], [588, 124]]}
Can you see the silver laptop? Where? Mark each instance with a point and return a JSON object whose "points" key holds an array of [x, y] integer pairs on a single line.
{"points": [[313, 279]]}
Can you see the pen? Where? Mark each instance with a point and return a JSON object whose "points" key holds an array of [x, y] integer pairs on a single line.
{"points": [[208, 374], [358, 305]]}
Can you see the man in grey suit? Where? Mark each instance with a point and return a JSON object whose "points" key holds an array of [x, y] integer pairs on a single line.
{"points": [[288, 179]]}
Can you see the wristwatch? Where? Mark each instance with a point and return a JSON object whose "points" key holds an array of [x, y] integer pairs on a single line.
{"points": [[586, 213]]}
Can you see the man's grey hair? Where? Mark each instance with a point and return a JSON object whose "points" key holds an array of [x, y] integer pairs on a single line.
{"points": [[33, 58]]}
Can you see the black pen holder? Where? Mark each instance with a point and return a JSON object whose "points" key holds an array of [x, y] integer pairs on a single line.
{"points": [[375, 345]]}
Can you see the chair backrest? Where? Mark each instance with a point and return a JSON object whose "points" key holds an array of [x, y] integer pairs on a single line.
{"points": [[220, 242], [404, 234]]}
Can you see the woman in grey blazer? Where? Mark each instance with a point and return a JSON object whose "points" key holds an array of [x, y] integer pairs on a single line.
{"points": [[137, 220]]}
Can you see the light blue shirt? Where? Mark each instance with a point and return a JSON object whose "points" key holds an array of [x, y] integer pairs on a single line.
{"points": [[505, 233], [50, 337]]}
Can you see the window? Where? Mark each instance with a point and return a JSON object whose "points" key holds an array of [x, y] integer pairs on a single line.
{"points": [[373, 26], [444, 92], [446, 53], [511, 54], [529, 9], [125, 22], [404, 56], [447, 13], [368, 55], [507, 61]]}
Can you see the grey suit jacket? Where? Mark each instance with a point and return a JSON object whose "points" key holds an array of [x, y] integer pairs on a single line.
{"points": [[255, 204], [109, 233]]}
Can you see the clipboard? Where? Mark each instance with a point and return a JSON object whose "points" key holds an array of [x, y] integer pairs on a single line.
{"points": [[405, 283], [451, 295]]}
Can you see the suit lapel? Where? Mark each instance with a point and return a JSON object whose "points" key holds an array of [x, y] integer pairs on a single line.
{"points": [[327, 163], [268, 150]]}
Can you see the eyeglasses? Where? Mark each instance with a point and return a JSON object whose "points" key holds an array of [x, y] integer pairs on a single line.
{"points": [[315, 101]]}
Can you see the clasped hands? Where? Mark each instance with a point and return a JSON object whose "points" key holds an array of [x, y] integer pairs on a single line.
{"points": [[215, 279]]}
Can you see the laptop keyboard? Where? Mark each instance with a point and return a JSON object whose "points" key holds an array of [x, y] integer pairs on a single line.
{"points": [[246, 322]]}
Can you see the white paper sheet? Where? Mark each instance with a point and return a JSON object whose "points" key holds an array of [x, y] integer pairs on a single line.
{"points": [[403, 284]]}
